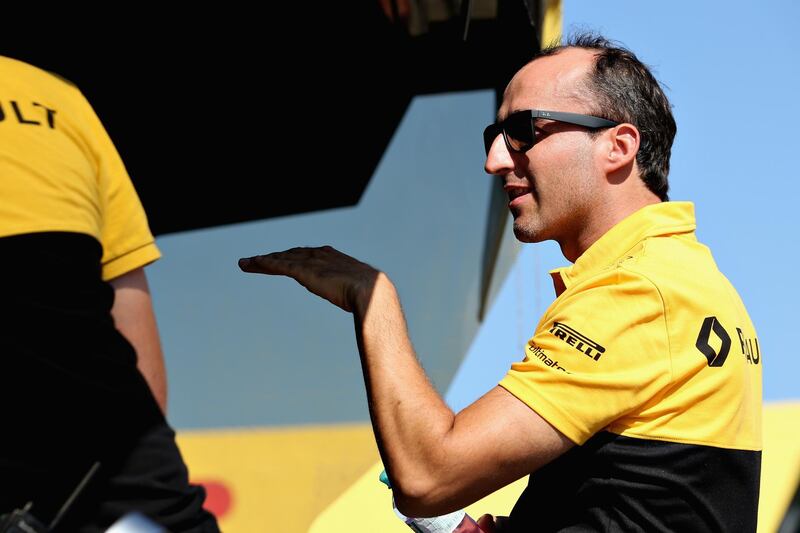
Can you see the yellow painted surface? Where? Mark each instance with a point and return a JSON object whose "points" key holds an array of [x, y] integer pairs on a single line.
{"points": [[367, 507], [368, 501], [780, 463], [279, 479], [324, 479], [552, 24]]}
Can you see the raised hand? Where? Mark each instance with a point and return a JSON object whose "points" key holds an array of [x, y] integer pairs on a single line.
{"points": [[342, 280]]}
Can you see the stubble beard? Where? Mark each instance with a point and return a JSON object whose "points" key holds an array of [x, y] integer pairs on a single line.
{"points": [[528, 231], [529, 225], [563, 218]]}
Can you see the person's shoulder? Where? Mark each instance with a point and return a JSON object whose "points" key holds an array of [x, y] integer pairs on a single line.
{"points": [[614, 293], [675, 261]]}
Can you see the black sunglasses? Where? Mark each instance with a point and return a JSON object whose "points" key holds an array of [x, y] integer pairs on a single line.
{"points": [[518, 127]]}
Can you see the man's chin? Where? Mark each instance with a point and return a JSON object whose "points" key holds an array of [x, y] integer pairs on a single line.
{"points": [[528, 234], [524, 234]]}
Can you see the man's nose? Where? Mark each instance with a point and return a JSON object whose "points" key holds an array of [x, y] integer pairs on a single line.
{"points": [[498, 160]]}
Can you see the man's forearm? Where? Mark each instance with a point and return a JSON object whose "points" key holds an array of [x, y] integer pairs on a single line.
{"points": [[134, 318], [437, 461], [410, 418]]}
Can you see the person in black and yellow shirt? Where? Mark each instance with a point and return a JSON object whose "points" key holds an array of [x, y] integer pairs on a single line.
{"points": [[637, 406], [80, 359], [648, 360]]}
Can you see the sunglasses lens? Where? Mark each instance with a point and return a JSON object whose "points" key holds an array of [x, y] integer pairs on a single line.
{"points": [[518, 130], [489, 135]]}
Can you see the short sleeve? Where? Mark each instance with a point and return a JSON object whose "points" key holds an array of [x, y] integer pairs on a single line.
{"points": [[125, 235], [601, 352]]}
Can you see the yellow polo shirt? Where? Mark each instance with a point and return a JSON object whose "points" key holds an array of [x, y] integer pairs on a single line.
{"points": [[625, 347], [648, 360], [60, 172]]}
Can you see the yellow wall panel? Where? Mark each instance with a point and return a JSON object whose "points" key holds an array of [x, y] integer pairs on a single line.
{"points": [[278, 479]]}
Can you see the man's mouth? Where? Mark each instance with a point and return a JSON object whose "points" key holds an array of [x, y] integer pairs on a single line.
{"points": [[515, 191]]}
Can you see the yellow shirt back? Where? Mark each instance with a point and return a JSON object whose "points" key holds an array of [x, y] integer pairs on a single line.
{"points": [[59, 170]]}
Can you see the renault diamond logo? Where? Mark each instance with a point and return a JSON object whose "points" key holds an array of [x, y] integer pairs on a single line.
{"points": [[712, 324]]}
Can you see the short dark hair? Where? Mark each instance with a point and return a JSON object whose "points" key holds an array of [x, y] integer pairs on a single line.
{"points": [[622, 88]]}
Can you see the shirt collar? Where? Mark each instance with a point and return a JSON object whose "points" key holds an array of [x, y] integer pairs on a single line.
{"points": [[665, 218]]}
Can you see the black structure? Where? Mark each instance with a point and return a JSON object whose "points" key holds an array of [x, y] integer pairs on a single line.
{"points": [[225, 116]]}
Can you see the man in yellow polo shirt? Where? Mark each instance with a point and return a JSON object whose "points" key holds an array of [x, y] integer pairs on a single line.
{"points": [[84, 386], [637, 406]]}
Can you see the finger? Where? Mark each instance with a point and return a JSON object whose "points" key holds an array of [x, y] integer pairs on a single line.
{"points": [[248, 264], [486, 523], [266, 264], [502, 523], [275, 262]]}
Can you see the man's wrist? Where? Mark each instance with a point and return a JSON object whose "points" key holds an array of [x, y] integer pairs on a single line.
{"points": [[378, 288]]}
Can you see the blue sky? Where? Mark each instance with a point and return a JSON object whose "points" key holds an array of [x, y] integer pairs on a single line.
{"points": [[255, 351]]}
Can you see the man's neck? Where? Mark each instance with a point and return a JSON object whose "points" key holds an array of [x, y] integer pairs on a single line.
{"points": [[605, 218]]}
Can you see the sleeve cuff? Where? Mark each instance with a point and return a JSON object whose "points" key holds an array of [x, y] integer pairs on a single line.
{"points": [[129, 261], [554, 416]]}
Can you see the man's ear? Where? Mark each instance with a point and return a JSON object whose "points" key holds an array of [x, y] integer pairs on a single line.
{"points": [[620, 148]]}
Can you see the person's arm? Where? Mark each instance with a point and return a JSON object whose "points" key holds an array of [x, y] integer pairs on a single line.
{"points": [[134, 318], [437, 461]]}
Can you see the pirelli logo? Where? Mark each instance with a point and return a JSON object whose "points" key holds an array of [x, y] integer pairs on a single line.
{"points": [[577, 340]]}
